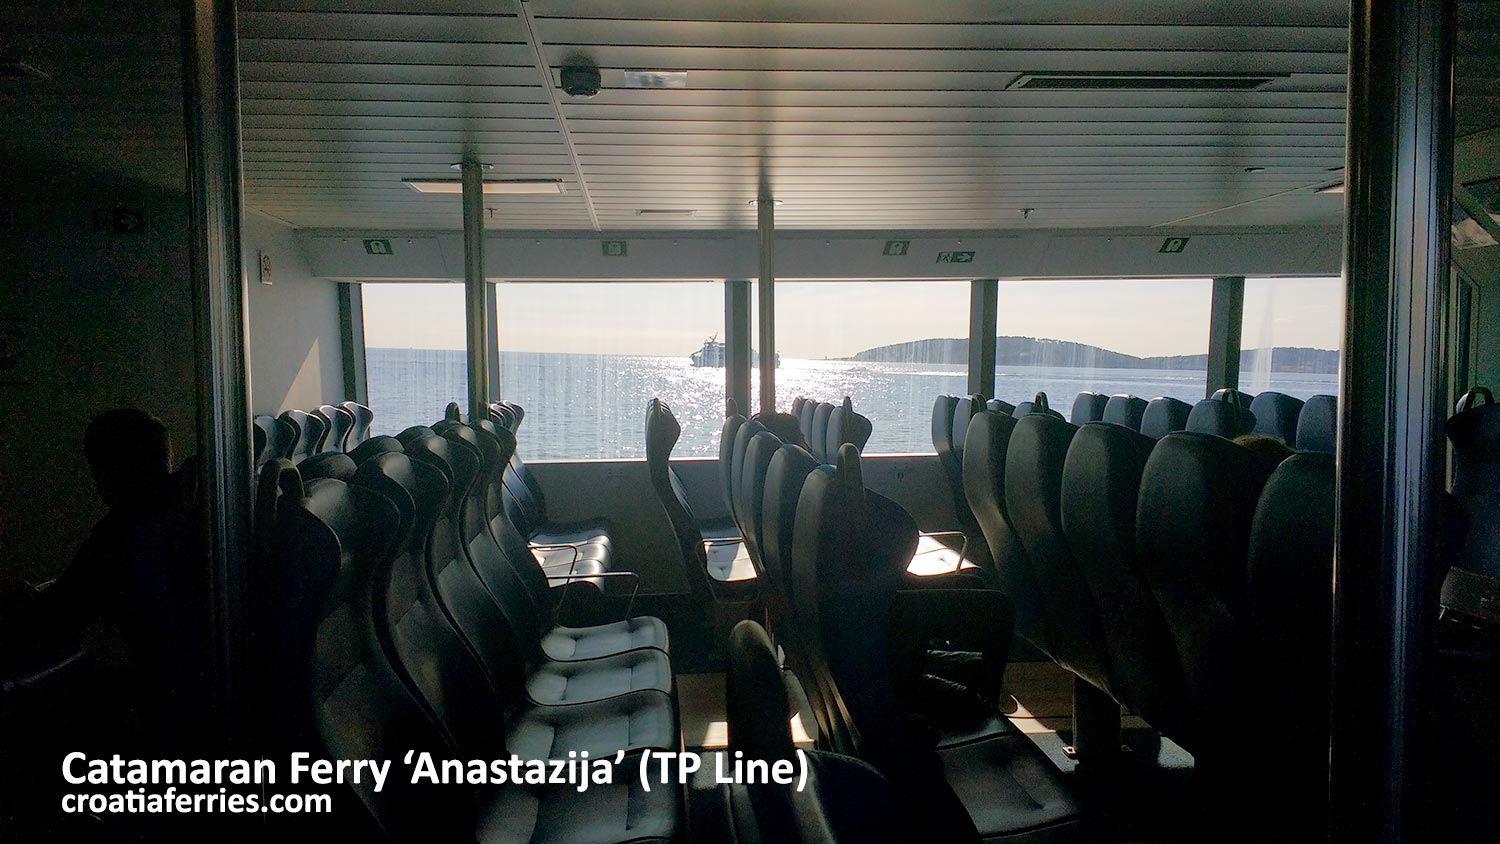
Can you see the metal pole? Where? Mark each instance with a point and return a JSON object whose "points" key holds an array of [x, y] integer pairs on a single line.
{"points": [[492, 339], [984, 303], [766, 228], [211, 106], [737, 343], [352, 331], [1225, 321], [1390, 455], [475, 313]]}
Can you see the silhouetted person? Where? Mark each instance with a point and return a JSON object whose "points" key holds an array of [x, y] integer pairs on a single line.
{"points": [[1265, 445], [140, 569]]}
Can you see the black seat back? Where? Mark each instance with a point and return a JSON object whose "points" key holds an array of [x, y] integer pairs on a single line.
{"points": [[503, 415], [727, 432], [1224, 415], [1474, 432], [985, 451], [360, 707], [1000, 406], [1163, 416], [1317, 425], [327, 464], [1197, 500], [1125, 410], [1276, 415], [752, 494], [662, 432], [742, 437], [309, 430], [1100, 487], [943, 409], [364, 417], [805, 416], [818, 438], [273, 481], [1033, 497], [275, 439], [373, 446], [1088, 407], [1038, 404], [340, 424], [786, 471], [846, 426]]}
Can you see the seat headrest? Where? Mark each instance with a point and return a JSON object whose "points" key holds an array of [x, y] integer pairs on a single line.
{"points": [[846, 426], [1317, 425], [1223, 417], [453, 413], [1126, 410], [1474, 432], [329, 464], [662, 430], [818, 439], [1088, 407], [943, 408], [1276, 414], [1163, 416], [373, 446]]}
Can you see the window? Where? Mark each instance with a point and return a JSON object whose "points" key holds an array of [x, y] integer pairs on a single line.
{"points": [[414, 352], [1291, 335], [1144, 337], [891, 346], [585, 358]]}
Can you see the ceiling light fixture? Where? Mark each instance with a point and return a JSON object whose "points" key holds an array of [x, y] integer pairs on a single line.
{"points": [[1336, 187], [774, 202], [655, 78], [491, 186], [1142, 81], [1255, 169], [665, 212]]}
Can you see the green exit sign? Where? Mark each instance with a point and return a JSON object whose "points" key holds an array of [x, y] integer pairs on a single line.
{"points": [[1173, 245], [896, 248], [615, 248], [378, 247], [955, 258]]}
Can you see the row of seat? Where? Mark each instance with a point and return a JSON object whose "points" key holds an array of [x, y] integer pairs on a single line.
{"points": [[399, 609], [1306, 426], [1170, 574], [827, 426], [296, 435], [831, 587]]}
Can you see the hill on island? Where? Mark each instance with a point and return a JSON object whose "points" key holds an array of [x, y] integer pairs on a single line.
{"points": [[1038, 351]]}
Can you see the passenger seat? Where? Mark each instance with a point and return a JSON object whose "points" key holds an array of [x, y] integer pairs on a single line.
{"points": [[1088, 407], [1276, 415], [1317, 425], [1163, 416], [1125, 410], [1224, 415]]}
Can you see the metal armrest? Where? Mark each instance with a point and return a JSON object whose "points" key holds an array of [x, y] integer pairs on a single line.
{"points": [[571, 563]]}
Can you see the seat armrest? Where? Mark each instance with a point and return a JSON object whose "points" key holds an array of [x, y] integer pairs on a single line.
{"points": [[960, 636]]}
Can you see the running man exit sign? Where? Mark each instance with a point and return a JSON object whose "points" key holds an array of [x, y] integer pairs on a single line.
{"points": [[378, 247], [1173, 245]]}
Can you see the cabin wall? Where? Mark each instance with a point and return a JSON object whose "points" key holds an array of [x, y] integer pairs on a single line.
{"points": [[1483, 267], [296, 348]]}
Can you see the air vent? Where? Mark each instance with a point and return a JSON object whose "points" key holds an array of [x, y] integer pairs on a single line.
{"points": [[20, 70], [1156, 81]]}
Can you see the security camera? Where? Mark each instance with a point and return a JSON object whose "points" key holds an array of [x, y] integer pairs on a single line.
{"points": [[580, 80]]}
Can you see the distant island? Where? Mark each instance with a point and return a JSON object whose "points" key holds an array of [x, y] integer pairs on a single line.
{"points": [[1037, 351]]}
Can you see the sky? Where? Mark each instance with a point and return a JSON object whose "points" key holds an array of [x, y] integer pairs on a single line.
{"points": [[838, 319]]}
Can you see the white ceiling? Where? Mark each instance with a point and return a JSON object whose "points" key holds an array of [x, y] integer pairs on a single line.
{"points": [[868, 113]]}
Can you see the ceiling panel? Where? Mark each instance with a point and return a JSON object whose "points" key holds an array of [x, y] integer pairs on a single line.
{"points": [[876, 114]]}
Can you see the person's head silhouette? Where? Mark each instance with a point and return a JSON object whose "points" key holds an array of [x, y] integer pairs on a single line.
{"points": [[130, 455]]}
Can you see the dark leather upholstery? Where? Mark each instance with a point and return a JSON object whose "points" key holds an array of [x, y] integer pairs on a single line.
{"points": [[1038, 404], [275, 439], [986, 449], [1125, 410], [328, 464], [363, 418], [943, 409], [373, 446], [846, 426], [526, 508], [340, 424], [1276, 414], [1317, 425], [1100, 486], [274, 479], [1088, 407], [1000, 406], [1225, 415], [742, 437], [1474, 432], [805, 418], [1033, 497], [662, 432], [845, 800], [1198, 497], [1163, 416], [727, 433], [848, 563], [950, 420], [785, 474], [751, 498], [818, 438], [309, 429]]}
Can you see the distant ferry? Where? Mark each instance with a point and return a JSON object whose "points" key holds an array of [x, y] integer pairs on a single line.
{"points": [[712, 354]]}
